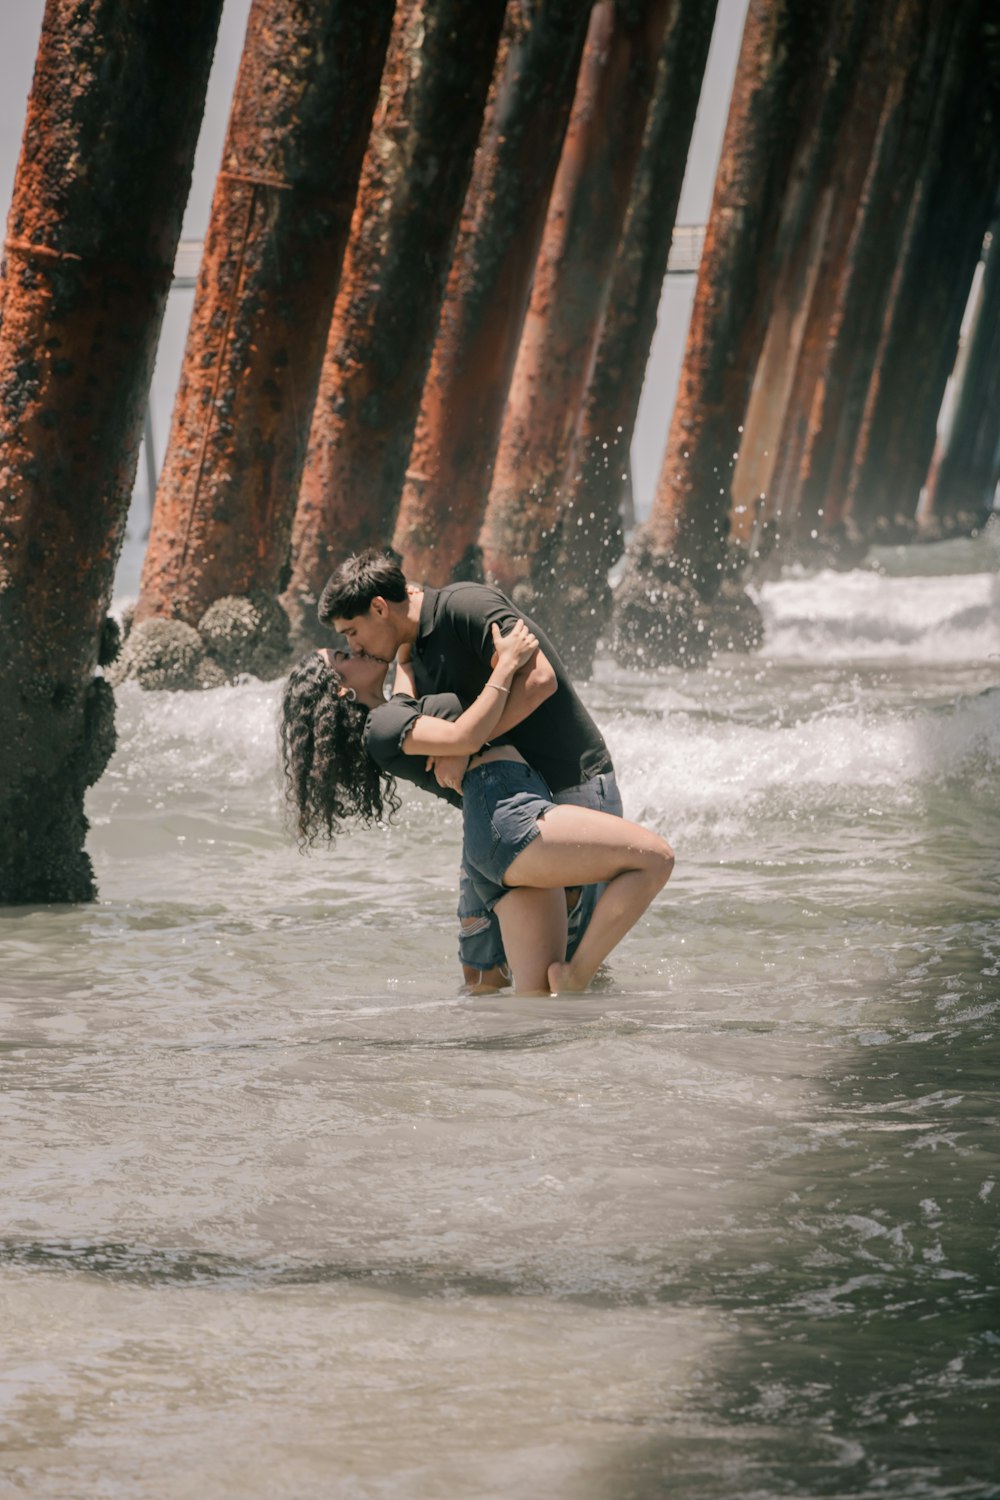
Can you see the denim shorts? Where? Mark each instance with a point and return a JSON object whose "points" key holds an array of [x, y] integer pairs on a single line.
{"points": [[502, 802], [480, 945]]}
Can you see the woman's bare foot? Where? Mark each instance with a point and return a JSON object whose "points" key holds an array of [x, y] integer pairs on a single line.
{"points": [[563, 981]]}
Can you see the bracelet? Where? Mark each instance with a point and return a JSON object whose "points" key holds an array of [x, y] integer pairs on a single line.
{"points": [[498, 689]]}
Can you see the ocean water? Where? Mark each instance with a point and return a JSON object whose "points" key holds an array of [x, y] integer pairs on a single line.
{"points": [[283, 1215]]}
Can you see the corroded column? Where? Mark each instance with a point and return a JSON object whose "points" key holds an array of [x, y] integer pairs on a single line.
{"points": [[948, 219], [910, 81], [597, 476], [413, 182], [99, 196], [967, 475], [488, 289], [572, 278], [676, 562], [280, 218], [820, 166], [864, 140]]}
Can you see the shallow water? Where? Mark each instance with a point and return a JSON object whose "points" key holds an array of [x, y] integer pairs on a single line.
{"points": [[284, 1216]]}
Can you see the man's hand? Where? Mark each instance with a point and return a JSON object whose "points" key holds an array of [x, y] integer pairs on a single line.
{"points": [[448, 770]]}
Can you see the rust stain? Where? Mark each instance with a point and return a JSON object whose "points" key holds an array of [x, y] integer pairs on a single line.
{"points": [[413, 183], [94, 222], [488, 288], [300, 117]]}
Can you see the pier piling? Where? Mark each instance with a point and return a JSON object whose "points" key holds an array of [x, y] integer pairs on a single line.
{"points": [[279, 223], [572, 279], [99, 196], [678, 560], [415, 176], [489, 284]]}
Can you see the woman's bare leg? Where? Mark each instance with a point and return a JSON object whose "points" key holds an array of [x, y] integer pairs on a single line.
{"points": [[579, 845], [533, 928]]}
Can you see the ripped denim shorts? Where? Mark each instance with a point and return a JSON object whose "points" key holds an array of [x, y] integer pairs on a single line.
{"points": [[502, 803]]}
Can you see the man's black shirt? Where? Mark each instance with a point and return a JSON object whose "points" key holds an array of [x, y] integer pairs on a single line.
{"points": [[453, 653]]}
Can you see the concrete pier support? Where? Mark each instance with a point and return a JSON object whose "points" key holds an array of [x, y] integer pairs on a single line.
{"points": [[678, 560], [99, 197], [596, 482], [488, 290], [413, 183], [969, 470], [948, 219], [569, 294], [281, 214]]}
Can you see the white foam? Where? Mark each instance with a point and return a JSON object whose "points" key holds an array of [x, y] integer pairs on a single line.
{"points": [[224, 736], [834, 617], [684, 760], [685, 769]]}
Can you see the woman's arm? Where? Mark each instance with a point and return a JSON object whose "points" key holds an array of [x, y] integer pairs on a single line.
{"points": [[467, 734], [529, 689]]}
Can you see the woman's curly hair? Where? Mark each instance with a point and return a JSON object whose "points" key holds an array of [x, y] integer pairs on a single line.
{"points": [[329, 777]]}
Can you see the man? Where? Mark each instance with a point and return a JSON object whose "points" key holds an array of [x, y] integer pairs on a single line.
{"points": [[447, 634]]}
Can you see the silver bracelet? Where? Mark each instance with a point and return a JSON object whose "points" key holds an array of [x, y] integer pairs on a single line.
{"points": [[498, 689]]}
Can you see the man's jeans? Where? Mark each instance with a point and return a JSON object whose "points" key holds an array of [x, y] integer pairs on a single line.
{"points": [[480, 945]]}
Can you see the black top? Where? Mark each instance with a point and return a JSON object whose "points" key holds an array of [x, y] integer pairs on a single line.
{"points": [[454, 651], [386, 728]]}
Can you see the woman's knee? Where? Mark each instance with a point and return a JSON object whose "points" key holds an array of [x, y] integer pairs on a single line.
{"points": [[659, 861]]}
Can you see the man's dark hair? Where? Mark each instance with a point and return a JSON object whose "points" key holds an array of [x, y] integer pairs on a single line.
{"points": [[360, 579]]}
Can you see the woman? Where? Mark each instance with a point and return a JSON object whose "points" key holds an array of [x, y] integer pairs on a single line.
{"points": [[342, 745]]}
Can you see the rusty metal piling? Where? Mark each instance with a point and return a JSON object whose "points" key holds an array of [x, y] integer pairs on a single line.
{"points": [[827, 167], [279, 223], [413, 183], [677, 561], [597, 477], [948, 219], [908, 80], [98, 201], [489, 284], [771, 472], [571, 283]]}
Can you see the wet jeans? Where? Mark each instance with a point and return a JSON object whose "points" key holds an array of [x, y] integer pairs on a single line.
{"points": [[480, 945]]}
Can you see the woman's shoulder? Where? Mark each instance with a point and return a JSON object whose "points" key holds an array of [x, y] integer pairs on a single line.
{"points": [[387, 724]]}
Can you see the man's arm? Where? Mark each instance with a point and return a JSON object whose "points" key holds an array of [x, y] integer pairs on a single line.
{"points": [[468, 733], [471, 615], [532, 685]]}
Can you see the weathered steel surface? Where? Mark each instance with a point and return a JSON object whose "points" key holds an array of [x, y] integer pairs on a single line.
{"points": [[569, 294], [597, 476], [811, 203], [969, 469], [678, 559], [863, 140], [488, 288], [279, 223], [96, 214], [413, 183], [948, 220], [909, 81]]}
